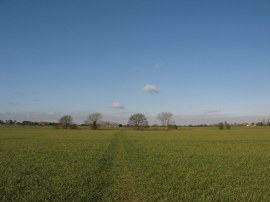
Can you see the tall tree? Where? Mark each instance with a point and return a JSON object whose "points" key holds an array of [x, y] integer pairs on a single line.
{"points": [[92, 120], [65, 121], [138, 121], [165, 118]]}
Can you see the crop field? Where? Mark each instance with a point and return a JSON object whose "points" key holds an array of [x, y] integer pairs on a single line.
{"points": [[188, 164]]}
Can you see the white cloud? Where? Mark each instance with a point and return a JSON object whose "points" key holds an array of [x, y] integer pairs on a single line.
{"points": [[117, 105], [150, 88], [157, 66]]}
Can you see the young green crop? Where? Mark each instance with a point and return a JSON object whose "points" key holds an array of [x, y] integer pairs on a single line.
{"points": [[188, 164]]}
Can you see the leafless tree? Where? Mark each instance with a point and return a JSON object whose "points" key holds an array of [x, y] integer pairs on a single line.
{"points": [[227, 125], [165, 118], [65, 121], [92, 120]]}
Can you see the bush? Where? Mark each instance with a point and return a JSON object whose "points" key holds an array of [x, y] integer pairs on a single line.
{"points": [[74, 126], [172, 127], [221, 126]]}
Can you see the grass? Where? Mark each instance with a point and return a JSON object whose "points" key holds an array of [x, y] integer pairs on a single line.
{"points": [[188, 164]]}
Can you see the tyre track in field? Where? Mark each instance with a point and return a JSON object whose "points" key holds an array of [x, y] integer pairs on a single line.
{"points": [[103, 179], [113, 179], [125, 181]]}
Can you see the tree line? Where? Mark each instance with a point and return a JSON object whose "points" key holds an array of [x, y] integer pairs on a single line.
{"points": [[137, 121]]}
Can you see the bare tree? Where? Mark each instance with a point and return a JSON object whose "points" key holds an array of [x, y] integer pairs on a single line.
{"points": [[165, 118], [65, 121], [227, 125], [138, 121], [92, 120]]}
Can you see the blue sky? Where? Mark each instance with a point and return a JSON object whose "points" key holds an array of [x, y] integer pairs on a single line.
{"points": [[202, 59]]}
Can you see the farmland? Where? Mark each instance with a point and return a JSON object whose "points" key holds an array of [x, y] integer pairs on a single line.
{"points": [[188, 164]]}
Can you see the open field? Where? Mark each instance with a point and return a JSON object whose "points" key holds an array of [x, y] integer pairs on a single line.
{"points": [[188, 164]]}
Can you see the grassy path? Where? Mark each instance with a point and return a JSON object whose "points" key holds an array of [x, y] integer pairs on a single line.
{"points": [[123, 188]]}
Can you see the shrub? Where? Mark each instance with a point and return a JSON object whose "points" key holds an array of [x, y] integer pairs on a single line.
{"points": [[74, 126], [172, 127], [221, 126]]}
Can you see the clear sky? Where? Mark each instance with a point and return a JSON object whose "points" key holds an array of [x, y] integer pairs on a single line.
{"points": [[192, 58]]}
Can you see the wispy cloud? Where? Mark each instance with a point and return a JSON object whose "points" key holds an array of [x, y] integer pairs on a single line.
{"points": [[13, 103], [36, 113], [117, 105], [31, 116], [157, 66], [213, 111], [19, 93], [35, 92], [122, 117], [150, 88], [36, 100]]}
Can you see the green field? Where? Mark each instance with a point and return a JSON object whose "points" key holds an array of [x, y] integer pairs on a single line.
{"points": [[188, 164]]}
